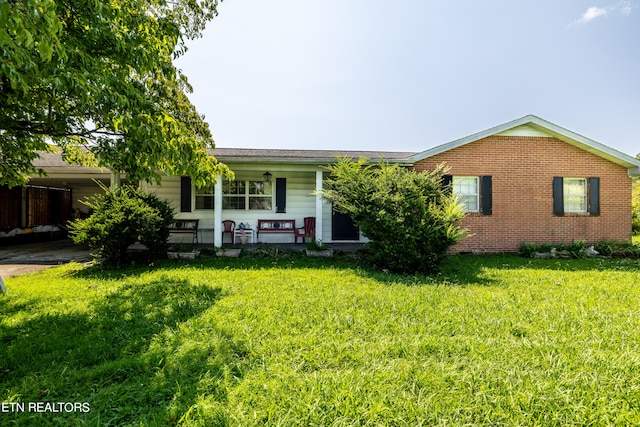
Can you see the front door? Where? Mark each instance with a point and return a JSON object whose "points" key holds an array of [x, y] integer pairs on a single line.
{"points": [[342, 227]]}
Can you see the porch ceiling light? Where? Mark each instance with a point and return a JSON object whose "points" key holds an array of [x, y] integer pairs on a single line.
{"points": [[267, 176]]}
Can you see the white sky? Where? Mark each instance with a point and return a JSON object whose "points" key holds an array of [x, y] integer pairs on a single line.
{"points": [[407, 75]]}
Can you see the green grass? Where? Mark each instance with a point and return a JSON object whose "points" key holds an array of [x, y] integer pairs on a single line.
{"points": [[492, 340]]}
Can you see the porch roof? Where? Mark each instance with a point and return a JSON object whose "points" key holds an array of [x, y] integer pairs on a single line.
{"points": [[54, 160], [305, 156]]}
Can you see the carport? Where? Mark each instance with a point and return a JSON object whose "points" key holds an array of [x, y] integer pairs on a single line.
{"points": [[27, 258]]}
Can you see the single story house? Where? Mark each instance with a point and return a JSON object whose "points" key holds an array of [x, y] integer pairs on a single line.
{"points": [[527, 180]]}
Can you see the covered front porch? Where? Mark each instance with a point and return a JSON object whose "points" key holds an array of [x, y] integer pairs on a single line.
{"points": [[264, 204], [270, 185]]}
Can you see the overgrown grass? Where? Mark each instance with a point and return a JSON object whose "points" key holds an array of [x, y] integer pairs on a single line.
{"points": [[492, 340]]}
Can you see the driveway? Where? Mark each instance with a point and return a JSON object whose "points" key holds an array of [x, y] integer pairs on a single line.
{"points": [[27, 258]]}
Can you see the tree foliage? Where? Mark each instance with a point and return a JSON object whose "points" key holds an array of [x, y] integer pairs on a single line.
{"points": [[120, 218], [410, 219], [96, 79]]}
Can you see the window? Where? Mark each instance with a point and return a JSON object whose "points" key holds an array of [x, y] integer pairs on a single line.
{"points": [[466, 188], [233, 195], [252, 195], [474, 192], [204, 198], [260, 195], [575, 195]]}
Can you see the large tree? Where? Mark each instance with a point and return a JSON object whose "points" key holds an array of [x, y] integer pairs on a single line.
{"points": [[96, 80]]}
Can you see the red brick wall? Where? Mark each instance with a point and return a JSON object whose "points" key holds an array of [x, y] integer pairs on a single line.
{"points": [[523, 169]]}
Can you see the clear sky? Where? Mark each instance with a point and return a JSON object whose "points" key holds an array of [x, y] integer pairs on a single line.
{"points": [[407, 75]]}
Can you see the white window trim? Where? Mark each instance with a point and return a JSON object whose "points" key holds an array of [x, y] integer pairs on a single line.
{"points": [[248, 196], [195, 197], [476, 194], [228, 196], [584, 195]]}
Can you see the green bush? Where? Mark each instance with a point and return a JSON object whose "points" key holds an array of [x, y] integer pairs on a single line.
{"points": [[573, 250], [409, 218], [121, 218], [618, 249], [578, 249]]}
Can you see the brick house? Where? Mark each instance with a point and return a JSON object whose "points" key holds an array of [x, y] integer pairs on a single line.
{"points": [[527, 180], [532, 181]]}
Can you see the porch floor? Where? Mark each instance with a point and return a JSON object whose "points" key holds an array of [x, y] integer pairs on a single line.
{"points": [[345, 247]]}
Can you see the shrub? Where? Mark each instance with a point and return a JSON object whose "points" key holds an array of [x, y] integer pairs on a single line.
{"points": [[315, 245], [618, 249], [120, 218], [573, 250], [578, 249], [410, 219]]}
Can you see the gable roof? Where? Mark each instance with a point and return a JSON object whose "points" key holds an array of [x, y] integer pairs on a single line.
{"points": [[541, 126]]}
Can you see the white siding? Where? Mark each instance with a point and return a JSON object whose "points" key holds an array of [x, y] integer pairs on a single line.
{"points": [[80, 192], [300, 204], [523, 130], [170, 190]]}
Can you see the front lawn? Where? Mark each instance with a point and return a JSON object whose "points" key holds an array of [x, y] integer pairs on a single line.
{"points": [[492, 340]]}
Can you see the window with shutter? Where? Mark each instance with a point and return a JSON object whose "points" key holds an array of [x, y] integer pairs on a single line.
{"points": [[576, 195], [466, 188]]}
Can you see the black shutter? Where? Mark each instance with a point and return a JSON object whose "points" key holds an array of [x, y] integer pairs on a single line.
{"points": [[447, 182], [185, 194], [558, 196], [594, 196], [486, 195], [281, 195]]}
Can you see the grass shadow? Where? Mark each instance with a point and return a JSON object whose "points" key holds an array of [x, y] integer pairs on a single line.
{"points": [[127, 351], [456, 270]]}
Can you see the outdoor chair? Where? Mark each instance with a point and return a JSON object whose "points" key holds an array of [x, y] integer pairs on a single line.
{"points": [[308, 230], [229, 227]]}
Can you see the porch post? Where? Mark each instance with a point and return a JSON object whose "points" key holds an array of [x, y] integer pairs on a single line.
{"points": [[318, 205], [115, 179], [217, 212]]}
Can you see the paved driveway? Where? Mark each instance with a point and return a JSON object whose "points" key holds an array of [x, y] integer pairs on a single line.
{"points": [[21, 259]]}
